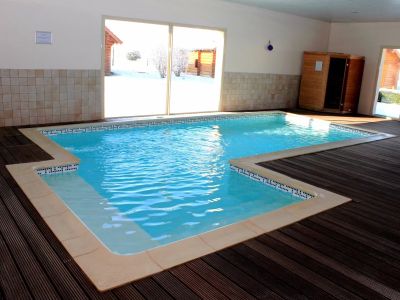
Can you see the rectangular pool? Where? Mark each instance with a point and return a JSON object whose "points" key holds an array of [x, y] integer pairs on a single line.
{"points": [[151, 184]]}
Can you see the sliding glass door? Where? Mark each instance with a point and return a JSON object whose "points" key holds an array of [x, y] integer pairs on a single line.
{"points": [[196, 70], [135, 66], [387, 102], [153, 69]]}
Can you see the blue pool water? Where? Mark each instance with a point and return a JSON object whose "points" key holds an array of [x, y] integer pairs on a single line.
{"points": [[138, 188]]}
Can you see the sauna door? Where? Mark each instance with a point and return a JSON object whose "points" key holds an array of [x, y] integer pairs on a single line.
{"points": [[336, 83]]}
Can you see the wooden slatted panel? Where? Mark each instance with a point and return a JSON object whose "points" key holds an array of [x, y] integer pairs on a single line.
{"points": [[31, 270], [245, 281], [358, 261], [128, 292], [174, 286], [45, 255], [316, 266], [14, 285], [332, 263], [316, 279], [283, 282], [219, 281], [343, 241], [196, 283], [151, 290]]}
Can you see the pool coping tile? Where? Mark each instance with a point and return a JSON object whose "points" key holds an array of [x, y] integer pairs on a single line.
{"points": [[108, 270], [230, 235], [82, 244], [179, 252], [49, 205]]}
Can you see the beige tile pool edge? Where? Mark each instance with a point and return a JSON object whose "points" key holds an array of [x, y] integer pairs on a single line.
{"points": [[108, 270]]}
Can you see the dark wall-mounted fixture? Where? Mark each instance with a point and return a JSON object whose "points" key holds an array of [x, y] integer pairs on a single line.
{"points": [[269, 46]]}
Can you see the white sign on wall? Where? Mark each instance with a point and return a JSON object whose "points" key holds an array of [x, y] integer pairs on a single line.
{"points": [[318, 66], [43, 38]]}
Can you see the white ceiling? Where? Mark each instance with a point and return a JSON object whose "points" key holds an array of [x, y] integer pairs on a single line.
{"points": [[334, 10]]}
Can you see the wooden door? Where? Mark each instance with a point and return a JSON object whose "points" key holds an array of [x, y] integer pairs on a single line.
{"points": [[313, 81], [355, 72]]}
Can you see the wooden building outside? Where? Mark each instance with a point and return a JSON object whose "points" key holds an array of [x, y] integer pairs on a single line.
{"points": [[202, 62], [390, 69], [110, 39]]}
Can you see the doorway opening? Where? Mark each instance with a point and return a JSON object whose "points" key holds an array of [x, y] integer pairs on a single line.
{"points": [[336, 83], [387, 100], [157, 69]]}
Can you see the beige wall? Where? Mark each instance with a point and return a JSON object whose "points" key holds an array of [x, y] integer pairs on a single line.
{"points": [[76, 26], [77, 38], [365, 39]]}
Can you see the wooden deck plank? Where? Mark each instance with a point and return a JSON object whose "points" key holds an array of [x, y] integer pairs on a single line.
{"points": [[348, 252], [36, 279], [263, 271], [335, 265], [6, 156], [45, 254], [356, 260], [201, 287], [347, 223], [344, 242], [15, 286], [128, 292], [317, 280], [370, 225], [219, 281], [240, 278], [318, 267], [150, 289], [174, 286]]}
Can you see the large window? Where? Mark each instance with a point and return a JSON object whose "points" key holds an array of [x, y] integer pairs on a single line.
{"points": [[153, 69]]}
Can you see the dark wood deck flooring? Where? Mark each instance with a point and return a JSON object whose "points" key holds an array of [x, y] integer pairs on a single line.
{"points": [[349, 252]]}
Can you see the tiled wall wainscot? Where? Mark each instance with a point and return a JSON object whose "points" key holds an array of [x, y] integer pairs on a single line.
{"points": [[49, 96], [251, 91], [53, 96]]}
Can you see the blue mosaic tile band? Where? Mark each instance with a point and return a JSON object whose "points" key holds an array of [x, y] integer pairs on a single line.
{"points": [[183, 120], [57, 169], [273, 183], [148, 123], [350, 129]]}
